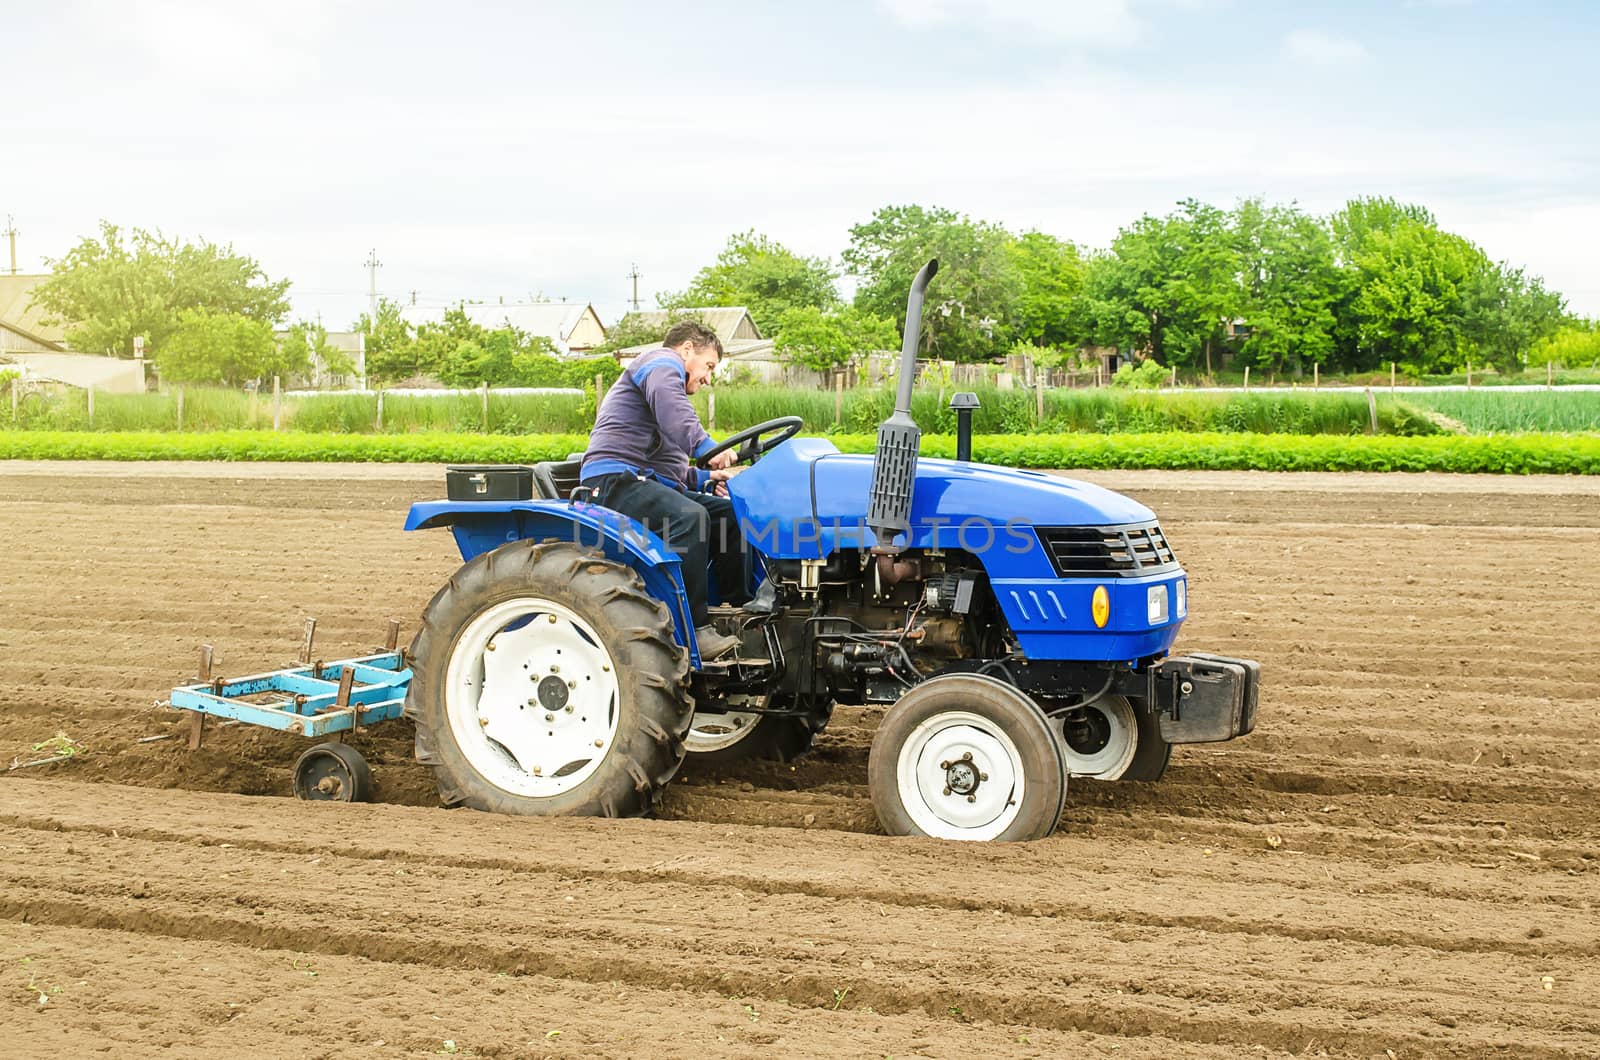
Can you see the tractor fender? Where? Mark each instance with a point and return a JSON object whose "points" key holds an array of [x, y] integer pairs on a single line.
{"points": [[479, 526]]}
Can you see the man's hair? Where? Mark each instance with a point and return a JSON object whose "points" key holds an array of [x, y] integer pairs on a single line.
{"points": [[692, 331]]}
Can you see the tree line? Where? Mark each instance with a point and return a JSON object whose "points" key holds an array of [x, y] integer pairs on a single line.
{"points": [[1265, 285], [1268, 286]]}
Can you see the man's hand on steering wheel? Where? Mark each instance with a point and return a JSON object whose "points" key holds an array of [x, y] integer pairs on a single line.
{"points": [[721, 460]]}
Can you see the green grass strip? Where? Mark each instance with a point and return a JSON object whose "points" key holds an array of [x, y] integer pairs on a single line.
{"points": [[1572, 454]]}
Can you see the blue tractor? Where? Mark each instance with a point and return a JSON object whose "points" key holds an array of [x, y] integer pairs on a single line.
{"points": [[1016, 625]]}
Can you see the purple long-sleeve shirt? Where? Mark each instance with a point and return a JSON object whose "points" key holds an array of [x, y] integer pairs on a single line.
{"points": [[647, 426]]}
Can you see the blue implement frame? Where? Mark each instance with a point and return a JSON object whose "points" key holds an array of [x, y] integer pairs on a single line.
{"points": [[307, 700]]}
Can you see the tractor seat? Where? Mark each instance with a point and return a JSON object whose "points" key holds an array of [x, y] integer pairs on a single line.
{"points": [[554, 480]]}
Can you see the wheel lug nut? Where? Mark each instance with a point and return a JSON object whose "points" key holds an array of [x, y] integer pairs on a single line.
{"points": [[599, 743], [555, 669], [569, 711], [972, 798], [983, 776], [572, 685], [947, 789], [549, 717], [552, 619], [966, 756], [944, 765]]}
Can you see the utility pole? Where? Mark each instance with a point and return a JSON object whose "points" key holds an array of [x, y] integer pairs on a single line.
{"points": [[11, 233], [634, 276], [373, 265]]}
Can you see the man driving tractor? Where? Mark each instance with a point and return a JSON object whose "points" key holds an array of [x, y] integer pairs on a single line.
{"points": [[638, 463]]}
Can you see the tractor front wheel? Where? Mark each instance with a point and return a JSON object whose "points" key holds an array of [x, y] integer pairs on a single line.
{"points": [[546, 681], [966, 756]]}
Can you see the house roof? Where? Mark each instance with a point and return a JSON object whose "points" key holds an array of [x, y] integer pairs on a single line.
{"points": [[555, 321], [16, 292], [724, 320]]}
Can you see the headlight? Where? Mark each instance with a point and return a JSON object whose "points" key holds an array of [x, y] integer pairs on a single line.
{"points": [[1183, 599], [1157, 604]]}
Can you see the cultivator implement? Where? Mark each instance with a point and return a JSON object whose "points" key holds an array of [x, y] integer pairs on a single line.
{"points": [[315, 699]]}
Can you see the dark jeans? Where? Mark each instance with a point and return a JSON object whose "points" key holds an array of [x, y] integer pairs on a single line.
{"points": [[697, 526]]}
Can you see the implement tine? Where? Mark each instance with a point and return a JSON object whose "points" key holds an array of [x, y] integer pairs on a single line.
{"points": [[197, 720], [305, 645], [393, 638]]}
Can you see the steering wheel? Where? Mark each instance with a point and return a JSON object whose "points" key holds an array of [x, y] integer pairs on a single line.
{"points": [[750, 442]]}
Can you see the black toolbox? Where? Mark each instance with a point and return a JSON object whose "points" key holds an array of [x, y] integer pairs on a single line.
{"points": [[489, 482]]}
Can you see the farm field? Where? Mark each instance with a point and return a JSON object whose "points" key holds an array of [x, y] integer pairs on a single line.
{"points": [[1402, 860]]}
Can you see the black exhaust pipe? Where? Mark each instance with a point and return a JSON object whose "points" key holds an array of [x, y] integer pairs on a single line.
{"points": [[899, 438]]}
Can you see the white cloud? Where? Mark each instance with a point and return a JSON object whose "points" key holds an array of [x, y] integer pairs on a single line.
{"points": [[1324, 49], [1092, 23]]}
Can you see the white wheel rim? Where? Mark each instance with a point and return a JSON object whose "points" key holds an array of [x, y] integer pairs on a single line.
{"points": [[515, 727], [1112, 760], [714, 730], [937, 752]]}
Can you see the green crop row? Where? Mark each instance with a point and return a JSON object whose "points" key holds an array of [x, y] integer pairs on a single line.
{"points": [[1486, 413], [1500, 454]]}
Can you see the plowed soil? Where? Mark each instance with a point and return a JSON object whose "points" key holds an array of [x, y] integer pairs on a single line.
{"points": [[1403, 860]]}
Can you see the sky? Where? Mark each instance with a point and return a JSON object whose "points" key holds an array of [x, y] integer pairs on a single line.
{"points": [[517, 150]]}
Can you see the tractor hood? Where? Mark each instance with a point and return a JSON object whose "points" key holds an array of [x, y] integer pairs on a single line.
{"points": [[806, 499]]}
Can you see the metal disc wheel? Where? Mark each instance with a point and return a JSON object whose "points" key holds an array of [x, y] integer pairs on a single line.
{"points": [[332, 772], [546, 681], [966, 757], [1098, 739], [531, 695]]}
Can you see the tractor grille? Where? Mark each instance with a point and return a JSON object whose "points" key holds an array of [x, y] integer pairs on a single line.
{"points": [[1131, 551]]}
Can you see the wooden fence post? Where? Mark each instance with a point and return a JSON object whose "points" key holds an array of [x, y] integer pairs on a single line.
{"points": [[180, 408], [1174, 383], [277, 405], [599, 393], [1247, 377], [1469, 375], [1039, 398], [838, 398], [1391, 377], [1316, 375], [485, 393], [377, 425], [1549, 376], [90, 392], [1372, 411]]}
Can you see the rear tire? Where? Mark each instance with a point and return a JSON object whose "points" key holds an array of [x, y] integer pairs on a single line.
{"points": [[598, 727], [966, 756]]}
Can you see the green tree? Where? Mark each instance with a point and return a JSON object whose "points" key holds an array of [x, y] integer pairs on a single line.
{"points": [[112, 289], [313, 338], [1050, 307], [1412, 285], [824, 341], [1168, 286], [974, 303], [1292, 284], [1575, 345], [762, 275], [389, 341], [226, 348], [1507, 314]]}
